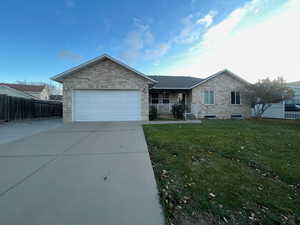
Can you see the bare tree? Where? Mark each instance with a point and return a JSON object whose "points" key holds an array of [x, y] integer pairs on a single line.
{"points": [[262, 94], [54, 88]]}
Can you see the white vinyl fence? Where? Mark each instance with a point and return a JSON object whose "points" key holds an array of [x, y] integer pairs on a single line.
{"points": [[275, 111], [292, 115]]}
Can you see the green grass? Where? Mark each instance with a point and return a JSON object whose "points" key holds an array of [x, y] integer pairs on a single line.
{"points": [[228, 171]]}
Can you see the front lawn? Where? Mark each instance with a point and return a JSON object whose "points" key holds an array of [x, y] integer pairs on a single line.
{"points": [[228, 171]]}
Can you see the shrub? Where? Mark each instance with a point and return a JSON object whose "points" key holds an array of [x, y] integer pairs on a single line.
{"points": [[178, 111], [152, 113]]}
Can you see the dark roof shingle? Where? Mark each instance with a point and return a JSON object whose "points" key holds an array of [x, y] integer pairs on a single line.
{"points": [[175, 82]]}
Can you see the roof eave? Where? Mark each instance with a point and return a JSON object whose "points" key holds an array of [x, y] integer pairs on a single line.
{"points": [[170, 88], [219, 73], [59, 77]]}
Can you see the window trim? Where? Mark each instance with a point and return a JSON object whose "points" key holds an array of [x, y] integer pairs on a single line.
{"points": [[166, 97], [155, 98], [160, 98], [235, 98], [214, 98]]}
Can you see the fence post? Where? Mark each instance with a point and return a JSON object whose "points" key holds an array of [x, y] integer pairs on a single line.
{"points": [[283, 110], [7, 108], [3, 107]]}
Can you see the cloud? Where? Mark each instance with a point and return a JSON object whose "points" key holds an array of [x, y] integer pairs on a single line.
{"points": [[149, 37], [190, 32], [134, 43], [70, 56], [159, 51], [207, 20], [136, 40], [255, 41], [140, 42], [193, 28]]}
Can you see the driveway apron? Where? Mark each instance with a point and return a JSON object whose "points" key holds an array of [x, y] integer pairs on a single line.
{"points": [[79, 174]]}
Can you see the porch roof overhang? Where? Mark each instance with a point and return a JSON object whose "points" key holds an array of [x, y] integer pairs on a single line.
{"points": [[174, 90], [174, 82], [170, 88]]}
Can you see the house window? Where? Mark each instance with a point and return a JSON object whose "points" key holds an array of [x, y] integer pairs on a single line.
{"points": [[209, 97], [154, 98], [235, 98], [165, 99]]}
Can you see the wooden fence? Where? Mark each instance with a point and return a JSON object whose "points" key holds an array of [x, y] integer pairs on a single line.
{"points": [[15, 108]]}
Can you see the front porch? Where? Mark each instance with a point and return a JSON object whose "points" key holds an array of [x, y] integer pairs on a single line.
{"points": [[164, 100]]}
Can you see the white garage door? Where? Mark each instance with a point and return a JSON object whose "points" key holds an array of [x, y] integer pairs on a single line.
{"points": [[106, 105]]}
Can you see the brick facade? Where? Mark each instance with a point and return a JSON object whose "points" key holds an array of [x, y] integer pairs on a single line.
{"points": [[222, 85], [109, 75], [105, 74]]}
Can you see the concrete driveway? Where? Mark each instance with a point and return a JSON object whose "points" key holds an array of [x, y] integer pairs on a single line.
{"points": [[79, 174], [16, 130]]}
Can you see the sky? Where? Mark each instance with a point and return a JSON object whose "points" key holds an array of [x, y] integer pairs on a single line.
{"points": [[252, 38]]}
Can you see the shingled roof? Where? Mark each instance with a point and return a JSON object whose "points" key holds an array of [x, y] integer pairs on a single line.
{"points": [[25, 87], [174, 82]]}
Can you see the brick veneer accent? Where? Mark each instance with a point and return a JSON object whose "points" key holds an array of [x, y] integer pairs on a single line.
{"points": [[105, 74], [222, 85]]}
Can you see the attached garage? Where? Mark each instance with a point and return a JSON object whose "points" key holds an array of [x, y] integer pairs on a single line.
{"points": [[104, 89], [106, 105]]}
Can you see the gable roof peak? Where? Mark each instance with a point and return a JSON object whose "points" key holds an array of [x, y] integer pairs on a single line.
{"points": [[227, 71], [61, 76]]}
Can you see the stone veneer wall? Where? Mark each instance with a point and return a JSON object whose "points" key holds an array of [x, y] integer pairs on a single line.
{"points": [[105, 74], [222, 86]]}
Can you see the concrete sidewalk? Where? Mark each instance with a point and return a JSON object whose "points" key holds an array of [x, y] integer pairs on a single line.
{"points": [[79, 173]]}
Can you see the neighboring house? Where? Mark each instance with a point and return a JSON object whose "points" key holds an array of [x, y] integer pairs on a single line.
{"points": [[289, 109], [6, 90], [25, 90], [105, 89]]}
